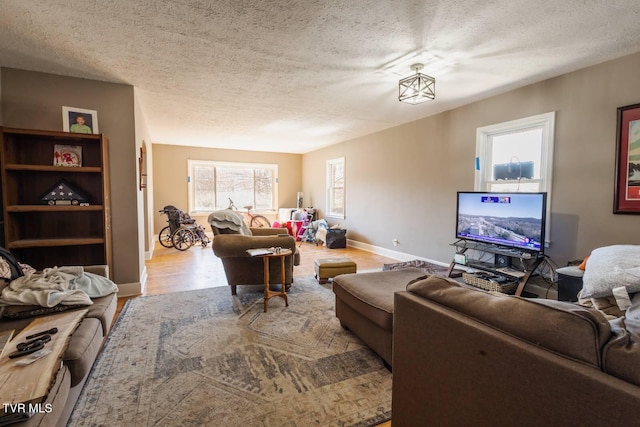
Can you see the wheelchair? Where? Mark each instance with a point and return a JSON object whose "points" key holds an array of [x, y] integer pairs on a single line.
{"points": [[182, 231]]}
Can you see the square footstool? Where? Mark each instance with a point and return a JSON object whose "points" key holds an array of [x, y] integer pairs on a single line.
{"points": [[328, 268]]}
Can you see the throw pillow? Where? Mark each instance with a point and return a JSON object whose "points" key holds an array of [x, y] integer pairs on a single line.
{"points": [[10, 262], [611, 267], [7, 273], [5, 269]]}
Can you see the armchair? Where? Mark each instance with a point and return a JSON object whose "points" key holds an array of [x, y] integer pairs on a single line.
{"points": [[241, 268]]}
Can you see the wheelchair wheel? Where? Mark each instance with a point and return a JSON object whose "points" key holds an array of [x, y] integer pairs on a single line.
{"points": [[165, 237], [205, 241], [183, 239], [259, 221]]}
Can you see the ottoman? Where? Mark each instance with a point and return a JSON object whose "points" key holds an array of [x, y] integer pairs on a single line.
{"points": [[364, 305], [327, 268]]}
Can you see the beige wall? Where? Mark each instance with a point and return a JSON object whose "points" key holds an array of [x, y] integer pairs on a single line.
{"points": [[170, 176], [144, 151], [34, 101], [412, 172], [401, 182], [1, 118]]}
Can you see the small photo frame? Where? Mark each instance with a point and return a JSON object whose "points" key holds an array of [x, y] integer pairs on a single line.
{"points": [[79, 120], [67, 155]]}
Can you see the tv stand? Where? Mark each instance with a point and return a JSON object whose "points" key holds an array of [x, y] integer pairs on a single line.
{"points": [[527, 262]]}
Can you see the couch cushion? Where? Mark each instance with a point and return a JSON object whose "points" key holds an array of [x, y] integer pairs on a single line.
{"points": [[103, 309], [55, 403], [371, 294], [621, 356], [84, 345], [573, 331]]}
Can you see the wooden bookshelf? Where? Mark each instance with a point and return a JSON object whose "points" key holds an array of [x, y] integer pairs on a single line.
{"points": [[51, 234]]}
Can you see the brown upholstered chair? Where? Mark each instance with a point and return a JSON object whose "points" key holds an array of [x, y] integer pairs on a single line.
{"points": [[231, 247]]}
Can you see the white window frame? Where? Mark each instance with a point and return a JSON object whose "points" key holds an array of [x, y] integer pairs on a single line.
{"points": [[484, 172], [213, 164], [331, 212]]}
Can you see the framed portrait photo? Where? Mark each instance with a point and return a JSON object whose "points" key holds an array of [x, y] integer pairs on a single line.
{"points": [[627, 179], [79, 120]]}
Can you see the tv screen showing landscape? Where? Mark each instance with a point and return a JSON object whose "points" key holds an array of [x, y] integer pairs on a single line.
{"points": [[514, 220]]}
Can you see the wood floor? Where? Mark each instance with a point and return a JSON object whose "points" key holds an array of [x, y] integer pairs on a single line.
{"points": [[171, 270]]}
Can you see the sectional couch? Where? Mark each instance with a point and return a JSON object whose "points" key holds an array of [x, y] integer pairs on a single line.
{"points": [[467, 357], [84, 346]]}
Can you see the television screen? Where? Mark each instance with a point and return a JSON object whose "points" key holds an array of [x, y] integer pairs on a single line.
{"points": [[514, 220]]}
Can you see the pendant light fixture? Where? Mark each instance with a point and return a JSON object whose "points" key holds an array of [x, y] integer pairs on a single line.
{"points": [[417, 88]]}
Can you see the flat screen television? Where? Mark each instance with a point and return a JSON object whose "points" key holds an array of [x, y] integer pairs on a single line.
{"points": [[511, 220]]}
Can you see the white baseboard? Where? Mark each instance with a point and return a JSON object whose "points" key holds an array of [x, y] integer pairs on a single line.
{"points": [[149, 254], [135, 288], [143, 280], [129, 289], [400, 256]]}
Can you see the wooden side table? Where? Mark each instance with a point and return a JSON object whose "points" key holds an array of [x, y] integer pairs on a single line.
{"points": [[268, 293]]}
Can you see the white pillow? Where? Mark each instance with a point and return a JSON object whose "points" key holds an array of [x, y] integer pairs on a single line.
{"points": [[610, 267]]}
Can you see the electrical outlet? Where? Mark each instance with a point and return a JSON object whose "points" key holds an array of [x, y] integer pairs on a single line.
{"points": [[395, 242]]}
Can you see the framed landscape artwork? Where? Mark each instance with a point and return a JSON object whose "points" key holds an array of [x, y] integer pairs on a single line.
{"points": [[79, 120], [627, 184]]}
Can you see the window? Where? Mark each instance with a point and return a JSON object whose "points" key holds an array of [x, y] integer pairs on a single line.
{"points": [[335, 188], [517, 156], [212, 184]]}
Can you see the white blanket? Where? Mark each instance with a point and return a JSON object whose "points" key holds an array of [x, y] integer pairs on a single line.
{"points": [[57, 285], [229, 219]]}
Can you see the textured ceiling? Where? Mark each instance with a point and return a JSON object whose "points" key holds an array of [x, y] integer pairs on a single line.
{"points": [[293, 75]]}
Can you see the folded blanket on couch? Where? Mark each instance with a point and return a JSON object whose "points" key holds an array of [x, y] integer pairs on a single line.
{"points": [[57, 285], [232, 220]]}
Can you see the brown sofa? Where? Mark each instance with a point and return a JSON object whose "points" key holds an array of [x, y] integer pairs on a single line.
{"points": [[467, 357], [244, 269], [84, 346]]}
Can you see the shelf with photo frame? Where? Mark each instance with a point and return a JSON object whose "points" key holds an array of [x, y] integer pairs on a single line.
{"points": [[42, 230]]}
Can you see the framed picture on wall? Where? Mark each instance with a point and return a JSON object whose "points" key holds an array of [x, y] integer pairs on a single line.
{"points": [[627, 184], [79, 120]]}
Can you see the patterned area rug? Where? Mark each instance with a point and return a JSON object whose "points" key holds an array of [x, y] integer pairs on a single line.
{"points": [[425, 266], [204, 357]]}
